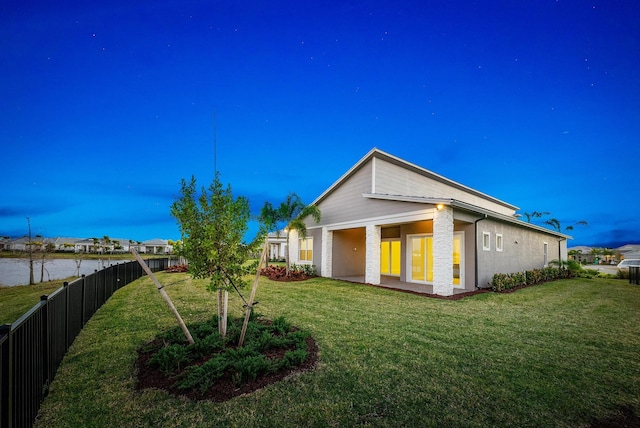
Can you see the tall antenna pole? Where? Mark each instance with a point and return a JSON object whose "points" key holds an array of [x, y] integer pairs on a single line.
{"points": [[215, 155]]}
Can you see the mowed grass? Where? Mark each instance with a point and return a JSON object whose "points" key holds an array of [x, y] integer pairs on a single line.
{"points": [[16, 300], [558, 354]]}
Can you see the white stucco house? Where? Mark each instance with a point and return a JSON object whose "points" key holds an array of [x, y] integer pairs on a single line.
{"points": [[387, 221], [277, 245]]}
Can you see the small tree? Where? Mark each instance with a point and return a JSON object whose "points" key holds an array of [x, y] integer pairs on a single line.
{"points": [[212, 226], [291, 213], [31, 280]]}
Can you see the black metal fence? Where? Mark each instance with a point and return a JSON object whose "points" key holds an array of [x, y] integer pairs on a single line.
{"points": [[634, 275], [32, 348]]}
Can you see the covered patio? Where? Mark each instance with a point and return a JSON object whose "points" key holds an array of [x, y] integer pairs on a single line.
{"points": [[394, 283]]}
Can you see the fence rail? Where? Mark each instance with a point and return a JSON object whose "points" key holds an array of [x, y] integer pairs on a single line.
{"points": [[634, 275], [32, 348]]}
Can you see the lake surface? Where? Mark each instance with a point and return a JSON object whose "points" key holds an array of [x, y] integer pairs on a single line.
{"points": [[16, 271]]}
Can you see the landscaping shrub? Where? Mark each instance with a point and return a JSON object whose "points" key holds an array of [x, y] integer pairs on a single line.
{"points": [[296, 272], [177, 268], [508, 281], [269, 347]]}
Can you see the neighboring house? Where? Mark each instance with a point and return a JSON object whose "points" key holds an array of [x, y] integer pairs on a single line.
{"points": [[66, 244], [582, 254], [4, 243], [629, 251], [156, 246], [277, 245], [22, 244], [388, 221]]}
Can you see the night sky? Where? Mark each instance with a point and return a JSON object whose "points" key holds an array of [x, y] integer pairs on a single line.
{"points": [[106, 106]]}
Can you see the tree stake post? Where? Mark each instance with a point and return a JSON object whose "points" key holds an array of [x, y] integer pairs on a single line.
{"points": [[164, 295], [253, 292]]}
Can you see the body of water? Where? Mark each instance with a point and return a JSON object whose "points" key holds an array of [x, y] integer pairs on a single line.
{"points": [[16, 271]]}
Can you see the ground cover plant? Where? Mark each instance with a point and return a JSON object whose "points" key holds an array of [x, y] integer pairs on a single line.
{"points": [[214, 368], [562, 354]]}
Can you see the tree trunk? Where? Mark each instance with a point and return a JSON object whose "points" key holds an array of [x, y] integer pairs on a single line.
{"points": [[42, 269], [223, 306]]}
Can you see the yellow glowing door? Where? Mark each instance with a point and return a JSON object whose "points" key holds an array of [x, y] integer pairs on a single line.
{"points": [[421, 258], [457, 258], [390, 257]]}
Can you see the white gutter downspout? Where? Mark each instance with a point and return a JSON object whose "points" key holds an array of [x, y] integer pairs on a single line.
{"points": [[475, 225]]}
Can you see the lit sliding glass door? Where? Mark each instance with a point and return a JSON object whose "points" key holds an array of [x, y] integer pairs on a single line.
{"points": [[390, 257], [421, 259], [421, 248]]}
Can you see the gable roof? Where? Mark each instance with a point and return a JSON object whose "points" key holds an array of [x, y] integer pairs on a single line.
{"points": [[377, 153]]}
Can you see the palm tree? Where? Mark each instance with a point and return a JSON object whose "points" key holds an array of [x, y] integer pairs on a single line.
{"points": [[555, 223], [535, 214], [292, 213]]}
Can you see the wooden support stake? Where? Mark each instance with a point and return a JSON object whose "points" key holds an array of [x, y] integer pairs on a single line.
{"points": [[253, 292], [164, 295]]}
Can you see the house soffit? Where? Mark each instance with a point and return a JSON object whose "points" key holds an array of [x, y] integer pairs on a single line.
{"points": [[475, 210]]}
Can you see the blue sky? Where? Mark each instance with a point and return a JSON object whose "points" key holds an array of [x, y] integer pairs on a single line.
{"points": [[105, 106]]}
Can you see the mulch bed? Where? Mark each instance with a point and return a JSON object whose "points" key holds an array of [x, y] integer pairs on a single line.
{"points": [[224, 389]]}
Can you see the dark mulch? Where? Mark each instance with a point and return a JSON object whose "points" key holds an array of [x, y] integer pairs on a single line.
{"points": [[224, 389], [626, 419]]}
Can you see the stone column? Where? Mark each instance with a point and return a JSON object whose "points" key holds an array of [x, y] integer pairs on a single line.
{"points": [[326, 268], [443, 251], [294, 247], [372, 261]]}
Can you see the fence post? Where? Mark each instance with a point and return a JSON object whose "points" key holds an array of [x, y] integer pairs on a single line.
{"points": [[82, 312], [46, 360], [6, 388], [66, 314]]}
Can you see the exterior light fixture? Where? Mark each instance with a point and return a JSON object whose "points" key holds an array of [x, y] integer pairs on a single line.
{"points": [[440, 207]]}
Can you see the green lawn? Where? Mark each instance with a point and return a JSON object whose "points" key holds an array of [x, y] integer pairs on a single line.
{"points": [[557, 354], [16, 300]]}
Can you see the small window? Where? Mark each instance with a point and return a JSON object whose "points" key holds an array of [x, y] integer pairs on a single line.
{"points": [[498, 242], [486, 241], [306, 250], [546, 254]]}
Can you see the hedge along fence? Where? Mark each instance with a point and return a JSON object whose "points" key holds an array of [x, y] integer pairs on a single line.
{"points": [[32, 348], [508, 281]]}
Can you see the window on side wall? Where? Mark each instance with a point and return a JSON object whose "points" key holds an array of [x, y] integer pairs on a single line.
{"points": [[306, 250], [486, 241], [499, 242], [545, 249]]}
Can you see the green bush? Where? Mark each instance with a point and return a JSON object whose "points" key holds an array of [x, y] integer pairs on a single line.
{"points": [[508, 281], [242, 364], [170, 358]]}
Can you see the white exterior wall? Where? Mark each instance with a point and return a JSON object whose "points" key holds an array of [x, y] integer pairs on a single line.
{"points": [[372, 264], [443, 251], [326, 263]]}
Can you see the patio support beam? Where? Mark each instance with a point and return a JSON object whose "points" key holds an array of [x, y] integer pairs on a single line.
{"points": [[443, 251], [372, 260]]}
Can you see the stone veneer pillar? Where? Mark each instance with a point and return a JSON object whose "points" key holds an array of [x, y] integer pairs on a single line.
{"points": [[294, 247], [326, 269], [443, 251], [372, 258]]}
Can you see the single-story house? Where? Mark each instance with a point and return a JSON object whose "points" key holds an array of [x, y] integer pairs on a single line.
{"points": [[277, 245], [156, 246], [387, 221]]}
